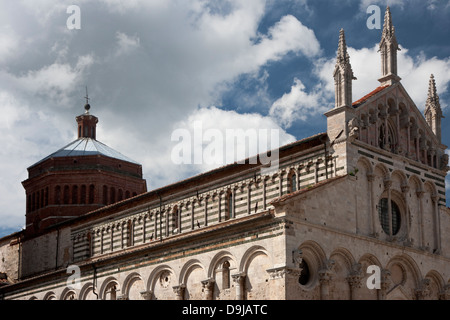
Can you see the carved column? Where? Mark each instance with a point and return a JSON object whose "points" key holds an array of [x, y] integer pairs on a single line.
{"points": [[372, 211], [387, 186], [437, 224], [384, 284], [405, 190], [421, 230], [206, 210], [179, 291], [354, 280], [208, 288], [423, 290], [146, 295], [239, 280], [325, 276]]}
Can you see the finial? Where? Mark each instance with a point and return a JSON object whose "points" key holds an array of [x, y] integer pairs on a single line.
{"points": [[433, 97], [342, 55], [87, 106]]}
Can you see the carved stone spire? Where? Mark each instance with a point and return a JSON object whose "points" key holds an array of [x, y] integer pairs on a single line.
{"points": [[433, 111], [343, 75], [388, 49]]}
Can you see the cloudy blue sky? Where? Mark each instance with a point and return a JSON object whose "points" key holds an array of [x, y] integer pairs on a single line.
{"points": [[158, 65]]}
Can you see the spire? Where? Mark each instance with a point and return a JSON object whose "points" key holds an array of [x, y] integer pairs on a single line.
{"points": [[433, 111], [343, 74], [87, 123], [87, 106], [388, 49]]}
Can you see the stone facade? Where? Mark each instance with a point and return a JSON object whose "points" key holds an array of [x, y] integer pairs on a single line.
{"points": [[357, 212]]}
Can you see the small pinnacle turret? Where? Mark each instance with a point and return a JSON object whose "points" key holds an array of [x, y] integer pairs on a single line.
{"points": [[433, 111], [388, 49], [343, 74]]}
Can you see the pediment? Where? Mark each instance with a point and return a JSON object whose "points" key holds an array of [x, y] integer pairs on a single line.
{"points": [[388, 118]]}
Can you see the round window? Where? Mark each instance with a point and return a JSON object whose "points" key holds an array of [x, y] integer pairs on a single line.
{"points": [[383, 213]]}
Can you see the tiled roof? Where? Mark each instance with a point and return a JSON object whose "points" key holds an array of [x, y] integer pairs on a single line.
{"points": [[87, 147], [359, 102]]}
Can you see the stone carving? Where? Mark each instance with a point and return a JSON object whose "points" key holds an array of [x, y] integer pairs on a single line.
{"points": [[353, 128], [444, 162]]}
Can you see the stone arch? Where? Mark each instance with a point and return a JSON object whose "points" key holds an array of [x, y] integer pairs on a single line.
{"points": [[401, 176], [404, 273], [221, 267], [191, 275], [363, 161], [313, 260], [254, 265], [109, 289], [248, 255], [436, 285], [50, 296], [87, 292], [133, 279], [68, 294], [161, 282], [343, 263], [217, 259]]}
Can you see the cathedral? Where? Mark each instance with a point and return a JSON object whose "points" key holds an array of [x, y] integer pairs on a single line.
{"points": [[354, 213]]}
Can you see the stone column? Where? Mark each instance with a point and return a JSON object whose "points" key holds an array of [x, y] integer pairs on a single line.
{"points": [[325, 276], [208, 288], [372, 211], [437, 224], [146, 295], [239, 280], [387, 186], [405, 190], [264, 178], [179, 291], [249, 192], [354, 280], [384, 284], [421, 230], [423, 290]]}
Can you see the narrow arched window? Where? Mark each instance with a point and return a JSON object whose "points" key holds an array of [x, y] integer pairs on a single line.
{"points": [[105, 195], [293, 182], [229, 205], [66, 195], [226, 275], [74, 194], [57, 195], [83, 194], [91, 193], [175, 218]]}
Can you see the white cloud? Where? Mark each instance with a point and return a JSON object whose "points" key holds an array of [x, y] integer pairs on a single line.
{"points": [[297, 105], [126, 44], [414, 71]]}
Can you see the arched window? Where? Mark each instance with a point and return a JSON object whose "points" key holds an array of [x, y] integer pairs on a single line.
{"points": [[105, 195], [383, 213], [305, 275], [112, 197], [226, 275], [57, 195], [91, 193], [46, 197], [229, 213], [120, 197], [74, 194], [83, 194], [175, 214], [292, 182], [66, 195]]}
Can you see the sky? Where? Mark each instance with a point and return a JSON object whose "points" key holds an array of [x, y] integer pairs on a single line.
{"points": [[155, 67]]}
